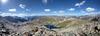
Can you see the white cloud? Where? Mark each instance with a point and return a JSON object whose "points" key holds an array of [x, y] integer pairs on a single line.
{"points": [[80, 4], [55, 12], [77, 4], [72, 9], [89, 9], [22, 6], [14, 14], [45, 1], [47, 10], [61, 11], [12, 10], [27, 9]]}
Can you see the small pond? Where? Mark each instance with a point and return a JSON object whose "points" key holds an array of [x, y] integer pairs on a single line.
{"points": [[50, 26]]}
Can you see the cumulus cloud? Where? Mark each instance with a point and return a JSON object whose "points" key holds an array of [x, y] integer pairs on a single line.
{"points": [[71, 9], [61, 11], [12, 10], [89, 9], [22, 6], [14, 14], [80, 4], [27, 9], [58, 12], [47, 10]]}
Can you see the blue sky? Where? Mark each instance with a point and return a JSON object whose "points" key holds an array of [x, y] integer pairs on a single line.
{"points": [[49, 7]]}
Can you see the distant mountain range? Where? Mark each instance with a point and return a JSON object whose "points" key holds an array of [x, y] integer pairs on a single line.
{"points": [[16, 19]]}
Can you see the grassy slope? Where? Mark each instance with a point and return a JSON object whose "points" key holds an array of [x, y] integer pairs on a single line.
{"points": [[68, 23]]}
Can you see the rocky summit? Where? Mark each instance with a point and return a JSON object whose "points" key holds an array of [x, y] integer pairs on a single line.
{"points": [[50, 26]]}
